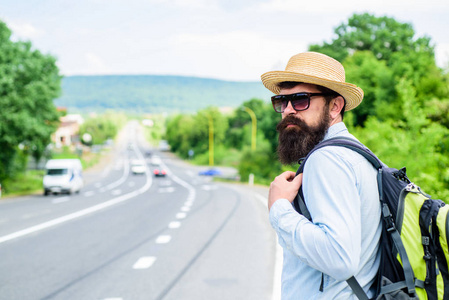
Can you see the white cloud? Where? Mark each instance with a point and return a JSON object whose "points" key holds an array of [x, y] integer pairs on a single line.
{"points": [[442, 55], [94, 65], [237, 55], [25, 30], [197, 4], [326, 6]]}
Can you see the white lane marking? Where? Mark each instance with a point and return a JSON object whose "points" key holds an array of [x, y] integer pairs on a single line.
{"points": [[60, 200], [166, 190], [262, 199], [116, 192], [165, 183], [278, 258], [209, 187], [185, 208], [89, 193], [118, 165], [191, 189], [106, 171], [144, 262], [181, 215], [124, 175], [188, 203], [190, 173], [163, 239], [78, 214], [174, 224]]}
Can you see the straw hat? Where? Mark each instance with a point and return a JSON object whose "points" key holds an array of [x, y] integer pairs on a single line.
{"points": [[319, 69]]}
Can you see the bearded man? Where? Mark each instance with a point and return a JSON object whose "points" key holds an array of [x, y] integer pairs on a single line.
{"points": [[339, 185]]}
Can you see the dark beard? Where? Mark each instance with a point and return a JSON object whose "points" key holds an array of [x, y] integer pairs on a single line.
{"points": [[296, 143]]}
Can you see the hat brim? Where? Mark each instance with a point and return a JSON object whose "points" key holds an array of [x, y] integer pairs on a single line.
{"points": [[352, 93]]}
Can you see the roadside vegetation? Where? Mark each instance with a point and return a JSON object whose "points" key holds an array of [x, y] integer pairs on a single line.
{"points": [[403, 117], [102, 129]]}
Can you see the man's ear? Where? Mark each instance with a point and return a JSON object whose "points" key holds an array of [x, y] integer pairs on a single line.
{"points": [[337, 104]]}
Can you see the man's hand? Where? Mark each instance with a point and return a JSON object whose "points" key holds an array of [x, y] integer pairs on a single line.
{"points": [[285, 186]]}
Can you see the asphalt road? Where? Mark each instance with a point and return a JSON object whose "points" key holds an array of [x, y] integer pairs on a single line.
{"points": [[128, 236]]}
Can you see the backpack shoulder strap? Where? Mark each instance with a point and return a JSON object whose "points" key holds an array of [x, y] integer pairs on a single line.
{"points": [[346, 142], [301, 207]]}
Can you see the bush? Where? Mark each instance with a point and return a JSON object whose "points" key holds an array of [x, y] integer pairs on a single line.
{"points": [[260, 163]]}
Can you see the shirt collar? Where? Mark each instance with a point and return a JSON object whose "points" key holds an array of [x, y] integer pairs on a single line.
{"points": [[336, 129]]}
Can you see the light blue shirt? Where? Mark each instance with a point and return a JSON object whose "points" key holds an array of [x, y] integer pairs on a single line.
{"points": [[340, 191]]}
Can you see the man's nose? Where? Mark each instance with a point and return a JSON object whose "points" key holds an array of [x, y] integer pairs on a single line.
{"points": [[289, 110]]}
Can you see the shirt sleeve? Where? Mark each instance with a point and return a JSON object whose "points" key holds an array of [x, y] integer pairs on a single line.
{"points": [[332, 243]]}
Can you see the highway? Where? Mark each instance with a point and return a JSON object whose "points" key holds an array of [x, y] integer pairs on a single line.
{"points": [[131, 237]]}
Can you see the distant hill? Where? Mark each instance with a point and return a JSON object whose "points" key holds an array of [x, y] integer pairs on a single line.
{"points": [[154, 94]]}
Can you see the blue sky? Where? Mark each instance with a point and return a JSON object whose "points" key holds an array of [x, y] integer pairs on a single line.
{"points": [[224, 39]]}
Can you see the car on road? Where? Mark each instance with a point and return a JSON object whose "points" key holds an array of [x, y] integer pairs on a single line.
{"points": [[63, 176], [164, 146], [156, 161], [159, 172], [138, 167], [210, 172]]}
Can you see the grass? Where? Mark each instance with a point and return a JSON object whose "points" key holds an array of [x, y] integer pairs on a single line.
{"points": [[30, 182], [24, 184]]}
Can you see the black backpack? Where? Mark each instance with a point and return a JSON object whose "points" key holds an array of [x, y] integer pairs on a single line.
{"points": [[414, 254]]}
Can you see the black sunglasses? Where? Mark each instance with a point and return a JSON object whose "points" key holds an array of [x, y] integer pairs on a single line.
{"points": [[300, 101]]}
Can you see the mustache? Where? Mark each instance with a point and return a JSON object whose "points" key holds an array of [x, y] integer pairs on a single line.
{"points": [[290, 120]]}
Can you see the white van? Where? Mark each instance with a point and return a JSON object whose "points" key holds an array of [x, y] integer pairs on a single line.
{"points": [[63, 176]]}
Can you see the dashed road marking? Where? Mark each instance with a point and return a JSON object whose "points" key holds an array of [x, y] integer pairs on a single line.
{"points": [[174, 224], [163, 239], [166, 190], [89, 193], [60, 200], [116, 192], [181, 215], [144, 262], [185, 208]]}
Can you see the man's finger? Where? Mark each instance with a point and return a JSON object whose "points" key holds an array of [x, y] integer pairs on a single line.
{"points": [[288, 175], [298, 179]]}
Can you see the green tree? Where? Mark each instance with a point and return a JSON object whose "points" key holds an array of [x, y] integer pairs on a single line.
{"points": [[383, 36], [179, 134], [191, 132], [378, 85], [240, 123], [259, 162], [417, 143], [402, 55], [102, 127], [200, 134], [29, 81]]}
